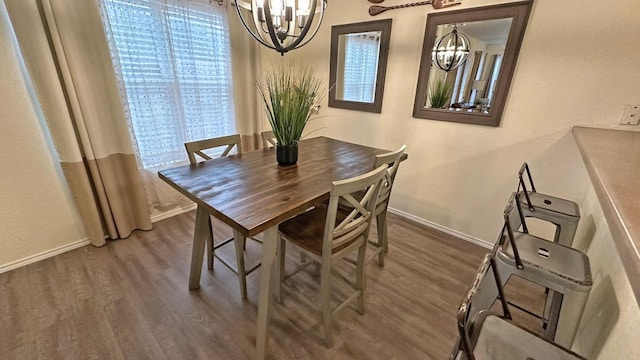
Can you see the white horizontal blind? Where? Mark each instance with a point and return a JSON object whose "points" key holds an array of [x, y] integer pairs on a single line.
{"points": [[174, 59], [361, 66]]}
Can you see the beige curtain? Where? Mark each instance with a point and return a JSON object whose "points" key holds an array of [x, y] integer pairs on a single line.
{"points": [[247, 69], [69, 64]]}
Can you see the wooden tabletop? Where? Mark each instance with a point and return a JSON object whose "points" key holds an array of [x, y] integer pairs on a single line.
{"points": [[612, 158], [251, 192]]}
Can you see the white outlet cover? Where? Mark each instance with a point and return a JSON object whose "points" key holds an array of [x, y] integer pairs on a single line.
{"points": [[631, 114]]}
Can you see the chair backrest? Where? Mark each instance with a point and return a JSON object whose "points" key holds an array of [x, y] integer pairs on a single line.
{"points": [[340, 234], [486, 287], [513, 219], [523, 186], [268, 139], [196, 147], [392, 160]]}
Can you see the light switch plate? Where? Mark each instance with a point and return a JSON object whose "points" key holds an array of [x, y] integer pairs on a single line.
{"points": [[631, 114]]}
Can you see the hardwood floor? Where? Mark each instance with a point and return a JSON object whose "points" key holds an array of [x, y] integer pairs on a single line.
{"points": [[130, 300]]}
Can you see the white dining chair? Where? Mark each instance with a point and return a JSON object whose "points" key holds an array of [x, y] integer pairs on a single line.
{"points": [[268, 139], [381, 244], [197, 148], [325, 237]]}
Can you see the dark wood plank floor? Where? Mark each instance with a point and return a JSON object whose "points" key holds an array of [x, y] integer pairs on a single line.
{"points": [[129, 300]]}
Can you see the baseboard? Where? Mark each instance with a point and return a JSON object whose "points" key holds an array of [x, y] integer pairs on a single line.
{"points": [[446, 230], [43, 255], [172, 213]]}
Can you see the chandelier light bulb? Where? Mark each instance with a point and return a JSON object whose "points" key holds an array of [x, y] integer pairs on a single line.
{"points": [[282, 25], [451, 51]]}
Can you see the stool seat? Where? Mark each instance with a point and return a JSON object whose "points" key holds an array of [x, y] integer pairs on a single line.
{"points": [[550, 203], [562, 263], [499, 339]]}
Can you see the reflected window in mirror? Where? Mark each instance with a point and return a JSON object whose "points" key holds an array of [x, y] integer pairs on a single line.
{"points": [[358, 65], [475, 92]]}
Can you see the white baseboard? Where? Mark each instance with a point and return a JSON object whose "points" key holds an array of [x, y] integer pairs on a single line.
{"points": [[80, 243], [44, 255], [446, 230], [172, 213]]}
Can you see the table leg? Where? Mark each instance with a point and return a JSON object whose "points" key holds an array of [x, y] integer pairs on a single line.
{"points": [[269, 242], [201, 235]]}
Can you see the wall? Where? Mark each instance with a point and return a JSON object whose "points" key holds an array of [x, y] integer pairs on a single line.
{"points": [[37, 217], [611, 320], [575, 67]]}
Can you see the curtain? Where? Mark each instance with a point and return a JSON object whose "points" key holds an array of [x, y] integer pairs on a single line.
{"points": [[172, 61], [361, 67], [68, 62]]}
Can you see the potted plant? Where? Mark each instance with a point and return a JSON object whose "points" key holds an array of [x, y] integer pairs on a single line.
{"points": [[439, 94], [289, 93]]}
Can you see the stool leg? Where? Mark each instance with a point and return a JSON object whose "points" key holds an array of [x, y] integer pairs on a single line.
{"points": [[567, 232], [570, 315]]}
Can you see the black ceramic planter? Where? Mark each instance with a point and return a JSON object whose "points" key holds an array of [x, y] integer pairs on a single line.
{"points": [[287, 155]]}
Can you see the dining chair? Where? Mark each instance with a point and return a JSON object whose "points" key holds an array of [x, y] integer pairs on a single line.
{"points": [[325, 237], [381, 243], [392, 160], [268, 139], [197, 148], [564, 214], [486, 335], [557, 267]]}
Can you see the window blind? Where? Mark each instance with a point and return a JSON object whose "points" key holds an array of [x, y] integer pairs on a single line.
{"points": [[361, 66], [173, 58]]}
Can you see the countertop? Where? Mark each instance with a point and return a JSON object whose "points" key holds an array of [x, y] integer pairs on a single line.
{"points": [[612, 158]]}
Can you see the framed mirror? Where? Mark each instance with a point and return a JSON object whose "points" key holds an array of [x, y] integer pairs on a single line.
{"points": [[468, 60], [358, 65]]}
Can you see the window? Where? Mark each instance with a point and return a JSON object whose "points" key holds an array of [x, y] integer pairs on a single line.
{"points": [[173, 59], [361, 66]]}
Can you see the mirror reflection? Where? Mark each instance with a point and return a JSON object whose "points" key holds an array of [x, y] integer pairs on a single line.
{"points": [[468, 61], [357, 69], [470, 84], [358, 65]]}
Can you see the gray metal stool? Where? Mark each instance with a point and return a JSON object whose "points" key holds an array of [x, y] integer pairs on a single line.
{"points": [[560, 268], [486, 335], [565, 214]]}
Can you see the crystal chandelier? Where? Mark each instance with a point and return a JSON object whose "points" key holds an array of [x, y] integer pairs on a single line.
{"points": [[451, 51], [282, 25]]}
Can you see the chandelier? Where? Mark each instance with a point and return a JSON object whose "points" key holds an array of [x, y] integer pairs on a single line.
{"points": [[451, 51], [282, 25]]}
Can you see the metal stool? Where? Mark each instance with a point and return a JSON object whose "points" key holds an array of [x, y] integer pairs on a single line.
{"points": [[565, 214], [563, 270], [486, 335]]}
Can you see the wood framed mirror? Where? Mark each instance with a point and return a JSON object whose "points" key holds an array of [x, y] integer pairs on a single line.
{"points": [[358, 65], [476, 91]]}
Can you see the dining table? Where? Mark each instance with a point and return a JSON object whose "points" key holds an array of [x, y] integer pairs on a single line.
{"points": [[252, 194]]}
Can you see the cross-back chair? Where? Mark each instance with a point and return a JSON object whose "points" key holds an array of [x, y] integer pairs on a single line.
{"points": [[268, 139], [326, 235], [197, 148], [392, 161]]}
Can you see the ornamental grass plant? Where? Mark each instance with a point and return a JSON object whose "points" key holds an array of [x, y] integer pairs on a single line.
{"points": [[439, 94], [289, 92]]}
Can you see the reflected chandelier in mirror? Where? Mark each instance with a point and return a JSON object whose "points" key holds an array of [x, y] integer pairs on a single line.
{"points": [[474, 91], [358, 65]]}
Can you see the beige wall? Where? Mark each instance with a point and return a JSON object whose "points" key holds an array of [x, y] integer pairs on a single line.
{"points": [[611, 321], [576, 67], [37, 216]]}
